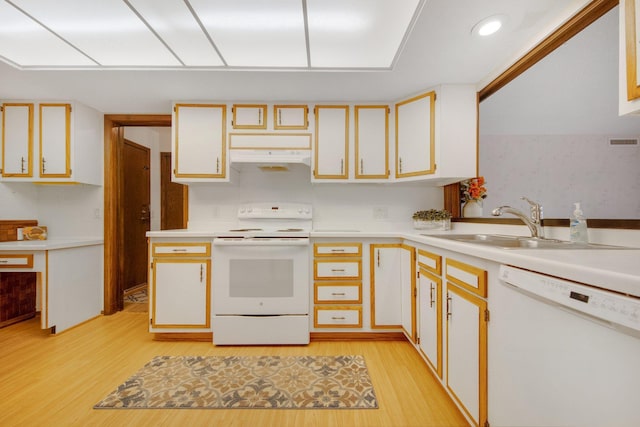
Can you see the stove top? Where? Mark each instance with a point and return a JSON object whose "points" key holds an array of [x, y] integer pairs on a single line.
{"points": [[269, 219]]}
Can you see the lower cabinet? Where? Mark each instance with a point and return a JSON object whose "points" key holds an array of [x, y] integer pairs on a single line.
{"points": [[180, 291], [452, 328], [337, 288]]}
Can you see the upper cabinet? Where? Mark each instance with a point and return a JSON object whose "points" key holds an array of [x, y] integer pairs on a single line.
{"points": [[629, 59], [415, 136], [199, 142], [371, 141], [68, 148], [17, 140], [331, 160], [436, 135], [290, 117], [249, 116]]}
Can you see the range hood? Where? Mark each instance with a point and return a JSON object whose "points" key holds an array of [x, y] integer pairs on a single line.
{"points": [[270, 159]]}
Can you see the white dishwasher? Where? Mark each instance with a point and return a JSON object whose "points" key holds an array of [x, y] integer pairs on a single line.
{"points": [[564, 353]]}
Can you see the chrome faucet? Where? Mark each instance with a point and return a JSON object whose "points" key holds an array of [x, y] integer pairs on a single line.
{"points": [[534, 221]]}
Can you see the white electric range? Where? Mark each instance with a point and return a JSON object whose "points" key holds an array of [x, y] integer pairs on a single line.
{"points": [[261, 277]]}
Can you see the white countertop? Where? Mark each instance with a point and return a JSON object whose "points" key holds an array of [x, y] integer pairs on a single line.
{"points": [[50, 244], [613, 269]]}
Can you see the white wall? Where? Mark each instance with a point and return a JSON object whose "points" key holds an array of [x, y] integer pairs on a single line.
{"points": [[336, 206], [71, 210], [157, 139], [557, 170], [18, 201]]}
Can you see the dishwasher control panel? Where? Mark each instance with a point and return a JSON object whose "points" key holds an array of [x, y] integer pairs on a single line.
{"points": [[607, 306]]}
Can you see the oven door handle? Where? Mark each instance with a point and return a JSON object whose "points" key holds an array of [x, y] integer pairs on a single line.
{"points": [[260, 242]]}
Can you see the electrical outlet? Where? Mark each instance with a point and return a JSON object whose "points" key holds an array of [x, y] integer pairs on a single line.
{"points": [[380, 212]]}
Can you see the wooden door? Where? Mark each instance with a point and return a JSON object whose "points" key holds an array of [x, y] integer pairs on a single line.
{"points": [[136, 212], [173, 198]]}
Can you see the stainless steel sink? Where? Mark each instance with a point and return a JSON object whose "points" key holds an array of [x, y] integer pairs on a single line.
{"points": [[519, 242]]}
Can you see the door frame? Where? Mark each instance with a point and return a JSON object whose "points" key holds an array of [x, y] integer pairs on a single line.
{"points": [[113, 220]]}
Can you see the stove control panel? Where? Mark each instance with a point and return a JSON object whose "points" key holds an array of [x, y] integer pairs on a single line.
{"points": [[296, 211]]}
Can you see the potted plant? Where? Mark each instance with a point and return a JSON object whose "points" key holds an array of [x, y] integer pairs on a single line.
{"points": [[432, 219]]}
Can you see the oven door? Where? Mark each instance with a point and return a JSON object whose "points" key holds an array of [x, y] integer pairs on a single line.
{"points": [[260, 276]]}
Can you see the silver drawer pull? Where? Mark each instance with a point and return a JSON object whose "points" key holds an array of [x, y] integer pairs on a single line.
{"points": [[337, 250], [338, 293], [338, 318], [4, 261], [179, 250], [336, 270]]}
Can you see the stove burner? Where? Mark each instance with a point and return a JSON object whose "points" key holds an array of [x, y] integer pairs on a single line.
{"points": [[247, 229]]}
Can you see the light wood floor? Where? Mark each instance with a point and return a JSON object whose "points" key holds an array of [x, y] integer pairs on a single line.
{"points": [[55, 380]]}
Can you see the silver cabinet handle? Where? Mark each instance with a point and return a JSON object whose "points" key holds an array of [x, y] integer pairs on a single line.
{"points": [[361, 166], [21, 164], [431, 295], [179, 250], [337, 269], [341, 166], [448, 306], [338, 318], [43, 165], [400, 164], [217, 164], [337, 250], [378, 257], [201, 272], [338, 293], [279, 116], [4, 261]]}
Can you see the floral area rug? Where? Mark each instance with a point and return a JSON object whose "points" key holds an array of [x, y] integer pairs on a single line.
{"points": [[138, 297], [226, 382]]}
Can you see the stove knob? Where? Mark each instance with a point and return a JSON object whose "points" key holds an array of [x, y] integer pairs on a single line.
{"points": [[300, 211], [242, 210]]}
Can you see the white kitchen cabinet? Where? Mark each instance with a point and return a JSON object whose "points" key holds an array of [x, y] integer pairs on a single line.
{"points": [[199, 142], [69, 148], [331, 160], [290, 117], [180, 291], [371, 141], [386, 290], [436, 135], [430, 324], [17, 140], [466, 341], [408, 291], [337, 295], [415, 136], [249, 116], [55, 140]]}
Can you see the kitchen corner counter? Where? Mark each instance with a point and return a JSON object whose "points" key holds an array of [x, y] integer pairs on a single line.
{"points": [[50, 244]]}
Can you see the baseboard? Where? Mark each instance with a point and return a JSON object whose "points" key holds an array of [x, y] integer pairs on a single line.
{"points": [[315, 336]]}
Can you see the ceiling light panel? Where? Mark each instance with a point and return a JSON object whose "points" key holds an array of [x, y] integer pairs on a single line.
{"points": [[358, 33], [27, 44], [176, 25], [106, 30], [256, 33]]}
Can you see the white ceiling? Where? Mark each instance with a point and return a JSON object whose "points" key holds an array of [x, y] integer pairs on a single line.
{"points": [[439, 49]]}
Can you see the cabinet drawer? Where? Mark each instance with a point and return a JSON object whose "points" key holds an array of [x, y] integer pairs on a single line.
{"points": [[430, 261], [471, 278], [338, 317], [337, 269], [332, 292], [181, 249], [16, 261], [337, 249]]}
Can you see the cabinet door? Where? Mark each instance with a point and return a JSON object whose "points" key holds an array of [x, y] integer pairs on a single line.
{"points": [[408, 291], [249, 116], [17, 140], [415, 136], [332, 142], [430, 326], [290, 117], [372, 141], [200, 141], [180, 295], [467, 351], [386, 304], [55, 140]]}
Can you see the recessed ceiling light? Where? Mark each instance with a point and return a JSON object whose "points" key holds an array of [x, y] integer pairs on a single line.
{"points": [[489, 25]]}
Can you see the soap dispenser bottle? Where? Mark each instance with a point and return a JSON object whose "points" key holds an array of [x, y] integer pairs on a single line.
{"points": [[578, 226]]}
